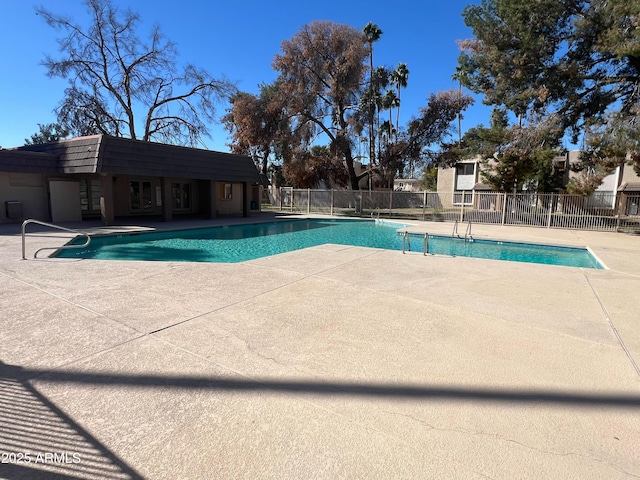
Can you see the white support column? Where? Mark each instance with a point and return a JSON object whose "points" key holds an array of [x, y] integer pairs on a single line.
{"points": [[424, 204], [504, 206]]}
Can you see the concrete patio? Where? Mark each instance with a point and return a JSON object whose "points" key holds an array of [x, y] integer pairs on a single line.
{"points": [[329, 362]]}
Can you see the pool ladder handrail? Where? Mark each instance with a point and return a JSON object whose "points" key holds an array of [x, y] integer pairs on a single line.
{"points": [[51, 225], [467, 232], [406, 240]]}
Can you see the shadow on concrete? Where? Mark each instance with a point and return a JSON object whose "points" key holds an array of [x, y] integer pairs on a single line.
{"points": [[39, 441], [409, 391], [251, 230], [159, 246], [60, 448], [141, 252]]}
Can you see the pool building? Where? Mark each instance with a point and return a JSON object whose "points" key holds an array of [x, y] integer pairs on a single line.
{"points": [[100, 176]]}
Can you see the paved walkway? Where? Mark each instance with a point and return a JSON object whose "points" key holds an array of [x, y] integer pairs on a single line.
{"points": [[330, 362]]}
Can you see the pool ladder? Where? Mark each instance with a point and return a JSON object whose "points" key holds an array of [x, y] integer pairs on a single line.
{"points": [[406, 242], [51, 225], [467, 232]]}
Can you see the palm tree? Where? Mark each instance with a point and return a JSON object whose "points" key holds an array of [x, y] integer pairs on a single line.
{"points": [[387, 131], [399, 78], [380, 82], [389, 102], [372, 34]]}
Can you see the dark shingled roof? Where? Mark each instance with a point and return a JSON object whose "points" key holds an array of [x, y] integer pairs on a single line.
{"points": [[28, 162], [76, 155], [105, 154]]}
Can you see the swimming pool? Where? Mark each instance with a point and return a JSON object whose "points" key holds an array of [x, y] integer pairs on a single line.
{"points": [[240, 243], [512, 251]]}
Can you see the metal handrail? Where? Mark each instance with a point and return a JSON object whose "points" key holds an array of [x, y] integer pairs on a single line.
{"points": [[467, 232], [64, 247], [455, 230], [406, 242], [406, 239]]}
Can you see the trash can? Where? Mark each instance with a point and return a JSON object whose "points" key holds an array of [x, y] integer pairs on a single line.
{"points": [[13, 209]]}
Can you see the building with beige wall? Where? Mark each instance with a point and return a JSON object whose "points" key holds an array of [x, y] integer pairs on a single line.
{"points": [[107, 177], [457, 184], [407, 185]]}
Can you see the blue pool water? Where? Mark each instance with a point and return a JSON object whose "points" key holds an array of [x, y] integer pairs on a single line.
{"points": [[247, 242], [516, 252]]}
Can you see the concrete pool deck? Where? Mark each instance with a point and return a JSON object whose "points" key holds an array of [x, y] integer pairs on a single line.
{"points": [[329, 362]]}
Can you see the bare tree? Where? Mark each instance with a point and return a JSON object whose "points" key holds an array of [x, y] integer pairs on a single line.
{"points": [[422, 141], [113, 75]]}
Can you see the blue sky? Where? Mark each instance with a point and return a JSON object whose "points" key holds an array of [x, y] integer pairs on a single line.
{"points": [[237, 40]]}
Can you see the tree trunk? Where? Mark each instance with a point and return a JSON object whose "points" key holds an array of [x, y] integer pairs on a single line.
{"points": [[398, 113], [265, 164], [353, 178], [372, 141]]}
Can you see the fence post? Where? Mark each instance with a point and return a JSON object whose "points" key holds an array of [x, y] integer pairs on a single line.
{"points": [[424, 204], [281, 195], [504, 206], [621, 203], [361, 211], [332, 202], [462, 206], [308, 201], [292, 193], [390, 201], [550, 209]]}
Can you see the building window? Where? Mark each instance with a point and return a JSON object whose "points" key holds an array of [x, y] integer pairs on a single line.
{"points": [[465, 176], [140, 195], [465, 169], [181, 194], [464, 183], [226, 191], [90, 195]]}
